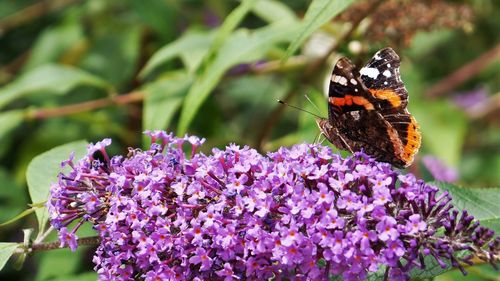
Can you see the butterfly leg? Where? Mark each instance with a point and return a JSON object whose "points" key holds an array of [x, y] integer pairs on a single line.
{"points": [[345, 143], [318, 139]]}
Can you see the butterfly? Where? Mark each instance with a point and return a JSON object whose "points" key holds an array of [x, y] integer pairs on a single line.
{"points": [[367, 110]]}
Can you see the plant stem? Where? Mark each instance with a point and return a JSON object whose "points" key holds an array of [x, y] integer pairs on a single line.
{"points": [[85, 106], [46, 246]]}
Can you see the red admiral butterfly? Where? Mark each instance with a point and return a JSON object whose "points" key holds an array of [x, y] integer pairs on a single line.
{"points": [[367, 110]]}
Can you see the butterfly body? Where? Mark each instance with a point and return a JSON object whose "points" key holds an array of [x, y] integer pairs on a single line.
{"points": [[367, 110]]}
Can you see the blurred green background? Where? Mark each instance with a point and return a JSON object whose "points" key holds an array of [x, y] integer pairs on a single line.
{"points": [[72, 70]]}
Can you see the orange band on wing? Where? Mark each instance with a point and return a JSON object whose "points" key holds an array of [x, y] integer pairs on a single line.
{"points": [[388, 95], [350, 100], [414, 139]]}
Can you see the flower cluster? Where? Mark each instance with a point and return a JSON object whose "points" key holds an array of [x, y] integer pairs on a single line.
{"points": [[302, 213]]}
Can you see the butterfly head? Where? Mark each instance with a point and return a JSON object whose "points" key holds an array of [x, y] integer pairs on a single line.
{"points": [[325, 127]]}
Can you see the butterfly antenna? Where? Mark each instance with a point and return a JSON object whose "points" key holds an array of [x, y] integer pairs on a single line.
{"points": [[301, 109], [313, 104]]}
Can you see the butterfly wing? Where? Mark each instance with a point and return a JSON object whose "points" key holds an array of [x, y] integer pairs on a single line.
{"points": [[382, 79], [372, 134], [346, 92]]}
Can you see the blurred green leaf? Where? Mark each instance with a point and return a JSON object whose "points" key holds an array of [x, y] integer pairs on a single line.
{"points": [[160, 15], [484, 272], [12, 196], [6, 251], [113, 55], [253, 98], [230, 23], [19, 216], [318, 13], [424, 42], [480, 168], [43, 171], [482, 203], [53, 43], [163, 99], [88, 276], [272, 11], [191, 47], [55, 79], [242, 46], [9, 120], [59, 263], [441, 123]]}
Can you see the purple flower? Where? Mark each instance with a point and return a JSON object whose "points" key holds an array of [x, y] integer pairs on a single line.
{"points": [[162, 214], [201, 256], [415, 224], [386, 229], [439, 170], [68, 239], [469, 99], [227, 273]]}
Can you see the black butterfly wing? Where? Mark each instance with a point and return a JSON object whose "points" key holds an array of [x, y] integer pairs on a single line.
{"points": [[382, 79], [370, 132], [346, 91]]}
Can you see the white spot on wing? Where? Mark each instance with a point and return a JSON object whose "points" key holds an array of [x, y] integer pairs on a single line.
{"points": [[377, 56], [354, 82], [385, 83], [343, 81], [387, 73], [340, 80], [388, 65], [355, 115], [370, 72]]}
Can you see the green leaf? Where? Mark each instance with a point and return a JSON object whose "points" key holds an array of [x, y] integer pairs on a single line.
{"points": [[19, 216], [59, 263], [191, 47], [441, 123], [432, 269], [43, 170], [12, 196], [160, 15], [55, 79], [482, 203], [9, 120], [273, 11], [242, 46], [6, 251], [53, 43], [480, 272], [88, 276], [253, 97], [113, 54], [163, 99], [318, 13], [230, 23]]}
